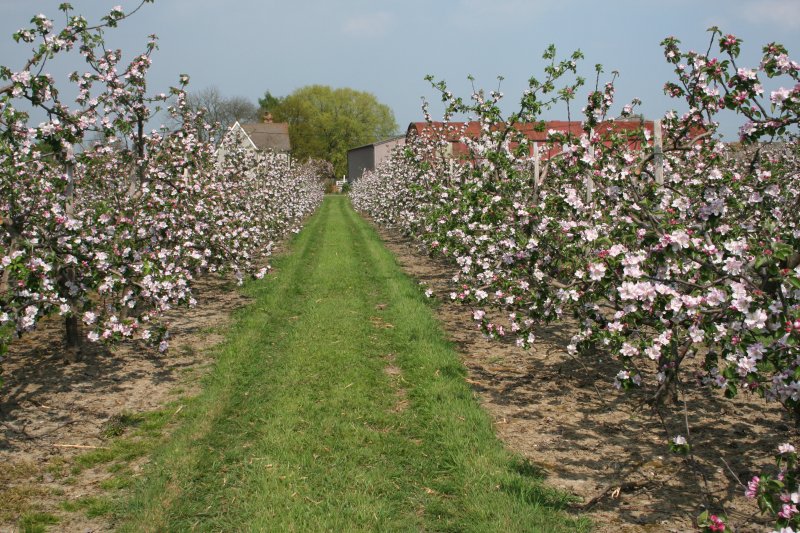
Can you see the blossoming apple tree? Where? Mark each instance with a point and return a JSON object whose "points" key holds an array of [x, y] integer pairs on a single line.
{"points": [[112, 235], [680, 260]]}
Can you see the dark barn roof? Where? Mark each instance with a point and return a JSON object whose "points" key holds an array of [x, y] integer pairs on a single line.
{"points": [[393, 138]]}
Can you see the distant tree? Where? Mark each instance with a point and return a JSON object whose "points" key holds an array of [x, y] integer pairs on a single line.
{"points": [[222, 110], [239, 108], [269, 103], [324, 122]]}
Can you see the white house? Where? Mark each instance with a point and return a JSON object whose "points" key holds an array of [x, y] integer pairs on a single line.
{"points": [[264, 136]]}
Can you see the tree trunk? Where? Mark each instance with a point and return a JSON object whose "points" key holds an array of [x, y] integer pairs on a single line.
{"points": [[667, 392], [73, 339], [72, 326]]}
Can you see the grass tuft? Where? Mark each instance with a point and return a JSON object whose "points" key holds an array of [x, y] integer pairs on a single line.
{"points": [[91, 506], [36, 522], [117, 424]]}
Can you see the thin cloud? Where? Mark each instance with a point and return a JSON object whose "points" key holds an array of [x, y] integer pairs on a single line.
{"points": [[782, 13], [368, 25]]}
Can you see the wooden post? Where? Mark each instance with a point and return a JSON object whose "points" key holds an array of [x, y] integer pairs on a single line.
{"points": [[658, 152]]}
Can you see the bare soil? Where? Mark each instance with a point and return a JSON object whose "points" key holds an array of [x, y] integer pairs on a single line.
{"points": [[607, 447], [52, 411]]}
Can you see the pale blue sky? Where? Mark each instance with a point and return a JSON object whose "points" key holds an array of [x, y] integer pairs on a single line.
{"points": [[386, 47]]}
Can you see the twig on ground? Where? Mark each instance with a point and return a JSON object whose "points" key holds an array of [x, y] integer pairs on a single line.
{"points": [[17, 430], [56, 428], [706, 492], [594, 386], [739, 481], [81, 446], [613, 491]]}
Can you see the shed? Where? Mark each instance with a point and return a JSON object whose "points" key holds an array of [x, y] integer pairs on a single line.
{"points": [[367, 157]]}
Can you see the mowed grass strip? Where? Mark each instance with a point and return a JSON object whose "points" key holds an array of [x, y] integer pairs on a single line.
{"points": [[337, 405]]}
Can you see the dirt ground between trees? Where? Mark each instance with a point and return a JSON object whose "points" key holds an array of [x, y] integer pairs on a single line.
{"points": [[51, 411], [564, 415]]}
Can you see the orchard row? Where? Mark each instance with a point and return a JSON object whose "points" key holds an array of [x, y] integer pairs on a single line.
{"points": [[108, 223], [680, 259]]}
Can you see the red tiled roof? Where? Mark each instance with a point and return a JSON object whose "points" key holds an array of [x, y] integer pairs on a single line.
{"points": [[536, 132], [533, 131]]}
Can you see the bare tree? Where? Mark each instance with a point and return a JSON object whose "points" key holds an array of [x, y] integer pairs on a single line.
{"points": [[241, 109], [221, 110]]}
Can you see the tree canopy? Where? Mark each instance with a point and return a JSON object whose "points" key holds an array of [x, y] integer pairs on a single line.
{"points": [[325, 122], [269, 103]]}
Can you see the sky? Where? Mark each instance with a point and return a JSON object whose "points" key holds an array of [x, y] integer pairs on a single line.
{"points": [[387, 47]]}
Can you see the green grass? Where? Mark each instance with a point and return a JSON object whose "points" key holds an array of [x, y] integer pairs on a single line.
{"points": [[119, 450], [337, 405], [36, 522], [90, 505]]}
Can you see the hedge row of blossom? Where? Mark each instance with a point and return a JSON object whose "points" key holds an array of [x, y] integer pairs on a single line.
{"points": [[681, 263], [112, 235]]}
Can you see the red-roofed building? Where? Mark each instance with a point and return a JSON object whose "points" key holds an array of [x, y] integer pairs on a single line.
{"points": [[536, 133]]}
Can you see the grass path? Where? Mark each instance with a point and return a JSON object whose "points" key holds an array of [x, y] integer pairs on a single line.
{"points": [[336, 405]]}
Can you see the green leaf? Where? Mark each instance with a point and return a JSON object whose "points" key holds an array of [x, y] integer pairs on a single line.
{"points": [[782, 251]]}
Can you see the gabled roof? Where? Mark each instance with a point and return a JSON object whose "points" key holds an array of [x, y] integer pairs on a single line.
{"points": [[395, 138], [272, 136]]}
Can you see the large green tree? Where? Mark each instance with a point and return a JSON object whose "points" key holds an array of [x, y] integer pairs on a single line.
{"points": [[324, 122]]}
